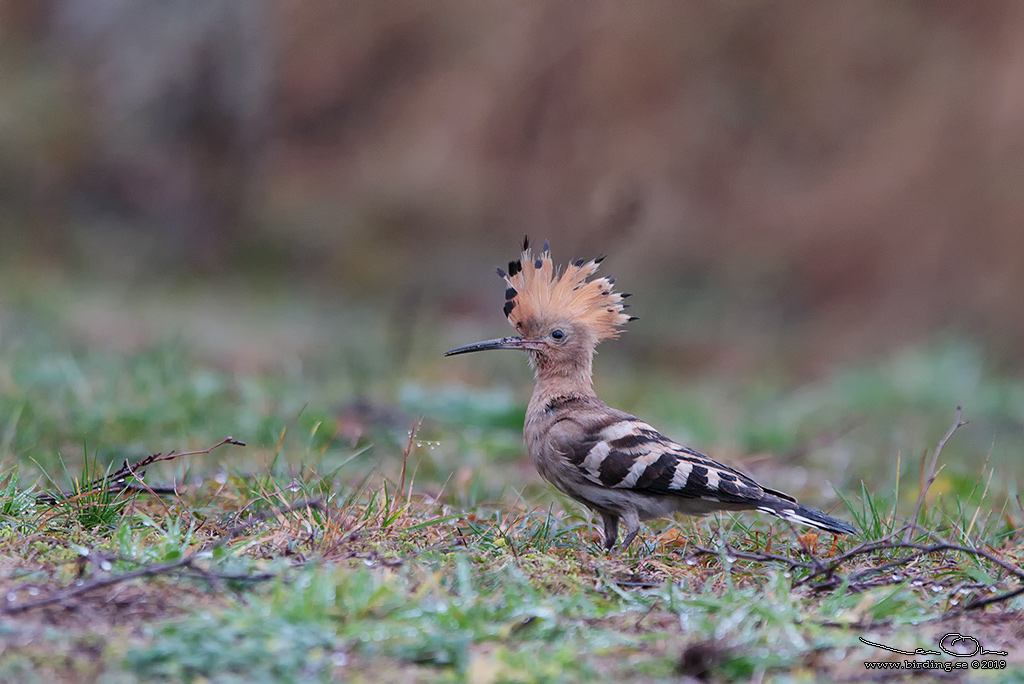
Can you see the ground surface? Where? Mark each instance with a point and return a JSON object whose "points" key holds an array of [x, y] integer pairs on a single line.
{"points": [[382, 523]]}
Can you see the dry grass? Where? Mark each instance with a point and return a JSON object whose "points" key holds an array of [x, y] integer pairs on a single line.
{"points": [[358, 543]]}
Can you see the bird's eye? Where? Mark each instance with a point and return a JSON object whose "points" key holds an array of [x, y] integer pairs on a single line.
{"points": [[557, 334]]}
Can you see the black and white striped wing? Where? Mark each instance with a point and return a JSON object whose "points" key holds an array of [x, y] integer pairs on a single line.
{"points": [[630, 454], [623, 453]]}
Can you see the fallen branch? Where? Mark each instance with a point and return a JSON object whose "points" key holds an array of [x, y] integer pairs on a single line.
{"points": [[149, 571], [118, 480], [981, 603], [187, 563], [862, 579]]}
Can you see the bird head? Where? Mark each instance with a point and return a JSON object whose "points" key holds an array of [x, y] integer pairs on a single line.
{"points": [[559, 315]]}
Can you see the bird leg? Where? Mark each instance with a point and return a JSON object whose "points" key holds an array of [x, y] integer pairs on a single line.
{"points": [[632, 521], [611, 530]]}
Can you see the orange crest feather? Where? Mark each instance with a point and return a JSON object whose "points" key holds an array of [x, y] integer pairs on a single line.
{"points": [[539, 291]]}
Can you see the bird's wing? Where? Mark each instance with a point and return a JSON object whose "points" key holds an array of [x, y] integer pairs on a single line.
{"points": [[616, 452], [622, 452]]}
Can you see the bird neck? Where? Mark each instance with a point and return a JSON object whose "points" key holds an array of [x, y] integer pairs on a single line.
{"points": [[571, 379]]}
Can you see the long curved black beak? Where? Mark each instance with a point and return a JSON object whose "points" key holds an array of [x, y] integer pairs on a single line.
{"points": [[500, 343]]}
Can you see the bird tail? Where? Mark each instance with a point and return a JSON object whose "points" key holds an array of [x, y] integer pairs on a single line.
{"points": [[795, 513]]}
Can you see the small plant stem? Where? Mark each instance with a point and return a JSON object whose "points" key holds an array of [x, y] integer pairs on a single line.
{"points": [[959, 423]]}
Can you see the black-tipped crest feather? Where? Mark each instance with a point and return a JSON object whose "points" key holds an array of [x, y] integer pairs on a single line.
{"points": [[537, 290]]}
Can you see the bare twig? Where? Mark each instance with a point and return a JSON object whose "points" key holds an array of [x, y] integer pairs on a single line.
{"points": [[862, 579], [232, 532], [149, 571], [959, 423], [757, 557], [118, 480], [188, 563], [981, 603]]}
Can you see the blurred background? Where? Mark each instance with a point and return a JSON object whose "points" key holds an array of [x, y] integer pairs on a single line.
{"points": [[789, 188]]}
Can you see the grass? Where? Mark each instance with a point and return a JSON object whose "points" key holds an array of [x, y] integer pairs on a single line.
{"points": [[345, 542]]}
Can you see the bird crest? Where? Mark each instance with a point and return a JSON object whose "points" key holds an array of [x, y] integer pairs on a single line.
{"points": [[537, 290]]}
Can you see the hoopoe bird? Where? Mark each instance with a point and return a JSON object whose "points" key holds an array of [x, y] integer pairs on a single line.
{"points": [[615, 464]]}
